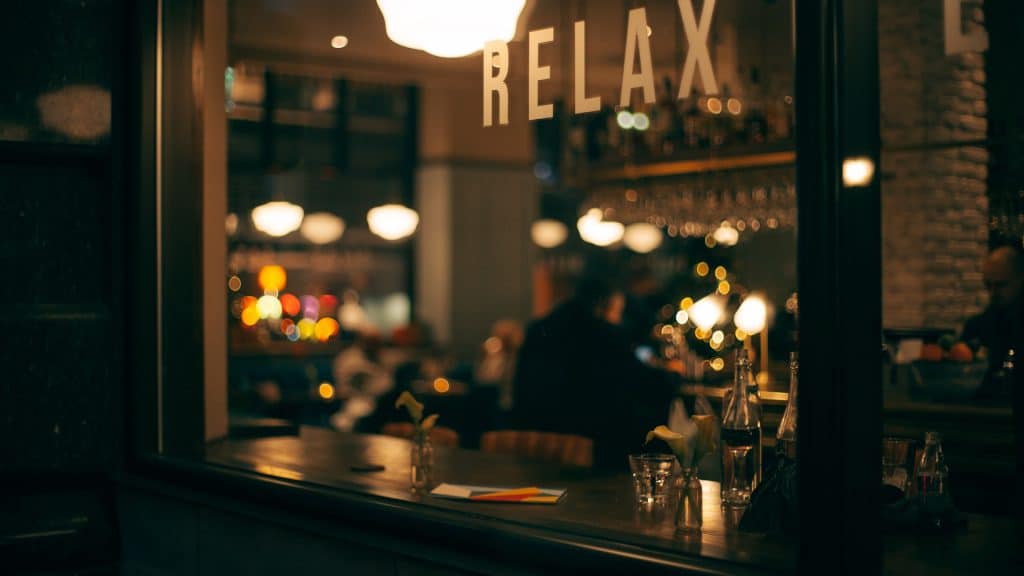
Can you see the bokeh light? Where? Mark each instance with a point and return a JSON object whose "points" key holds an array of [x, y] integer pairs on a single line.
{"points": [[685, 303], [290, 304], [721, 272], [328, 303], [442, 386], [307, 328], [724, 287], [286, 326], [702, 269], [717, 364], [682, 317], [325, 328], [269, 306], [250, 316], [234, 283], [272, 278], [326, 391], [310, 307]]}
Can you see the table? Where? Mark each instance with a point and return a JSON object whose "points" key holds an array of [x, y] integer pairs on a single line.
{"points": [[597, 511], [596, 506]]}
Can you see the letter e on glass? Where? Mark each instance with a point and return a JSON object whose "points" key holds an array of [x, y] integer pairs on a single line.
{"points": [[538, 73]]}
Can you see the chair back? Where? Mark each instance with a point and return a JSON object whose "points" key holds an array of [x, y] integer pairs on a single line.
{"points": [[439, 435], [568, 449]]}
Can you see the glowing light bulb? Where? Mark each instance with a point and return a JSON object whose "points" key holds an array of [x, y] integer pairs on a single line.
{"points": [[322, 227], [599, 232], [642, 237], [548, 233], [752, 315], [450, 28], [706, 312], [392, 221], [277, 218]]}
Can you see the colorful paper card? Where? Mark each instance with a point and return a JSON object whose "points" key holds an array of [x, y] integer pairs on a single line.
{"points": [[524, 495]]}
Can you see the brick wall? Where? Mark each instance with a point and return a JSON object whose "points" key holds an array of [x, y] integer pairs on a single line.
{"points": [[934, 204]]}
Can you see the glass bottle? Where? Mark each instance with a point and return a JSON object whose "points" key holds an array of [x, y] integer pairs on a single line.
{"points": [[694, 127], [930, 472], [741, 437], [1005, 376], [785, 439], [690, 509], [755, 123], [421, 462]]}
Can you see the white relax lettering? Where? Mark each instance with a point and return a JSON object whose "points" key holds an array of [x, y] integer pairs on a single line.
{"points": [[698, 62]]}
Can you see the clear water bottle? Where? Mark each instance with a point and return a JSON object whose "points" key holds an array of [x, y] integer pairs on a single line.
{"points": [[931, 471], [741, 437]]}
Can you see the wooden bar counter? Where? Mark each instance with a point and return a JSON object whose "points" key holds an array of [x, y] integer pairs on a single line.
{"points": [[595, 525], [596, 513]]}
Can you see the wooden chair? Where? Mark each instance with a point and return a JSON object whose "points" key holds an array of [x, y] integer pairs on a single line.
{"points": [[439, 435], [568, 449]]}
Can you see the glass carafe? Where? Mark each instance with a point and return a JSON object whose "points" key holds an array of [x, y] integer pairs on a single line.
{"points": [[930, 472], [741, 437]]}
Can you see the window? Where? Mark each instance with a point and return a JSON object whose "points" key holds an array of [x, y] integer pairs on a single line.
{"points": [[311, 324]]}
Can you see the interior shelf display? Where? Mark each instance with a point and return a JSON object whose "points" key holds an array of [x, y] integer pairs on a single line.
{"points": [[700, 204], [674, 137]]}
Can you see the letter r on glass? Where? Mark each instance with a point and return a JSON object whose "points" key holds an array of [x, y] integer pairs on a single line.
{"points": [[495, 56]]}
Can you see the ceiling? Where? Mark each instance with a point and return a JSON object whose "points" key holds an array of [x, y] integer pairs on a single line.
{"points": [[297, 33]]}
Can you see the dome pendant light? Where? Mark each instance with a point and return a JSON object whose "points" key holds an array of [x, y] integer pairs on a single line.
{"points": [[450, 28], [392, 221], [277, 218]]}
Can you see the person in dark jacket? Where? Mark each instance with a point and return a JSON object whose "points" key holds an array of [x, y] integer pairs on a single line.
{"points": [[998, 328], [577, 374]]}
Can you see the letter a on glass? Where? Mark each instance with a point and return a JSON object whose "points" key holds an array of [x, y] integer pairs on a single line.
{"points": [[636, 40]]}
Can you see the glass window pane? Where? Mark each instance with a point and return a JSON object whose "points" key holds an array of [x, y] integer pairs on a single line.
{"points": [[555, 272], [951, 213]]}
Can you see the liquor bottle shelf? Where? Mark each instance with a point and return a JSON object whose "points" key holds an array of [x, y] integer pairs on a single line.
{"points": [[692, 165]]}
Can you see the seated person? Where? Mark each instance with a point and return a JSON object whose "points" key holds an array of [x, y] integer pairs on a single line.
{"points": [[577, 374], [998, 327]]}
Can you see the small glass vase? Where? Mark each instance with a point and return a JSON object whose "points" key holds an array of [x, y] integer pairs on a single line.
{"points": [[689, 510], [421, 463]]}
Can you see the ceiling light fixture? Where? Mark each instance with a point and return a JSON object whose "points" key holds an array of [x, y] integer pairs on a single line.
{"points": [[322, 227], [642, 237], [726, 235], [392, 221], [548, 233], [450, 28], [277, 218], [594, 230]]}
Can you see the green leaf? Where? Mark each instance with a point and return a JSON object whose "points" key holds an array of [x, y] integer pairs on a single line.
{"points": [[414, 408], [429, 422]]}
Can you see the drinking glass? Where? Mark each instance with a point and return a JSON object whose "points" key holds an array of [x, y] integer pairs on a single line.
{"points": [[652, 477], [894, 462]]}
